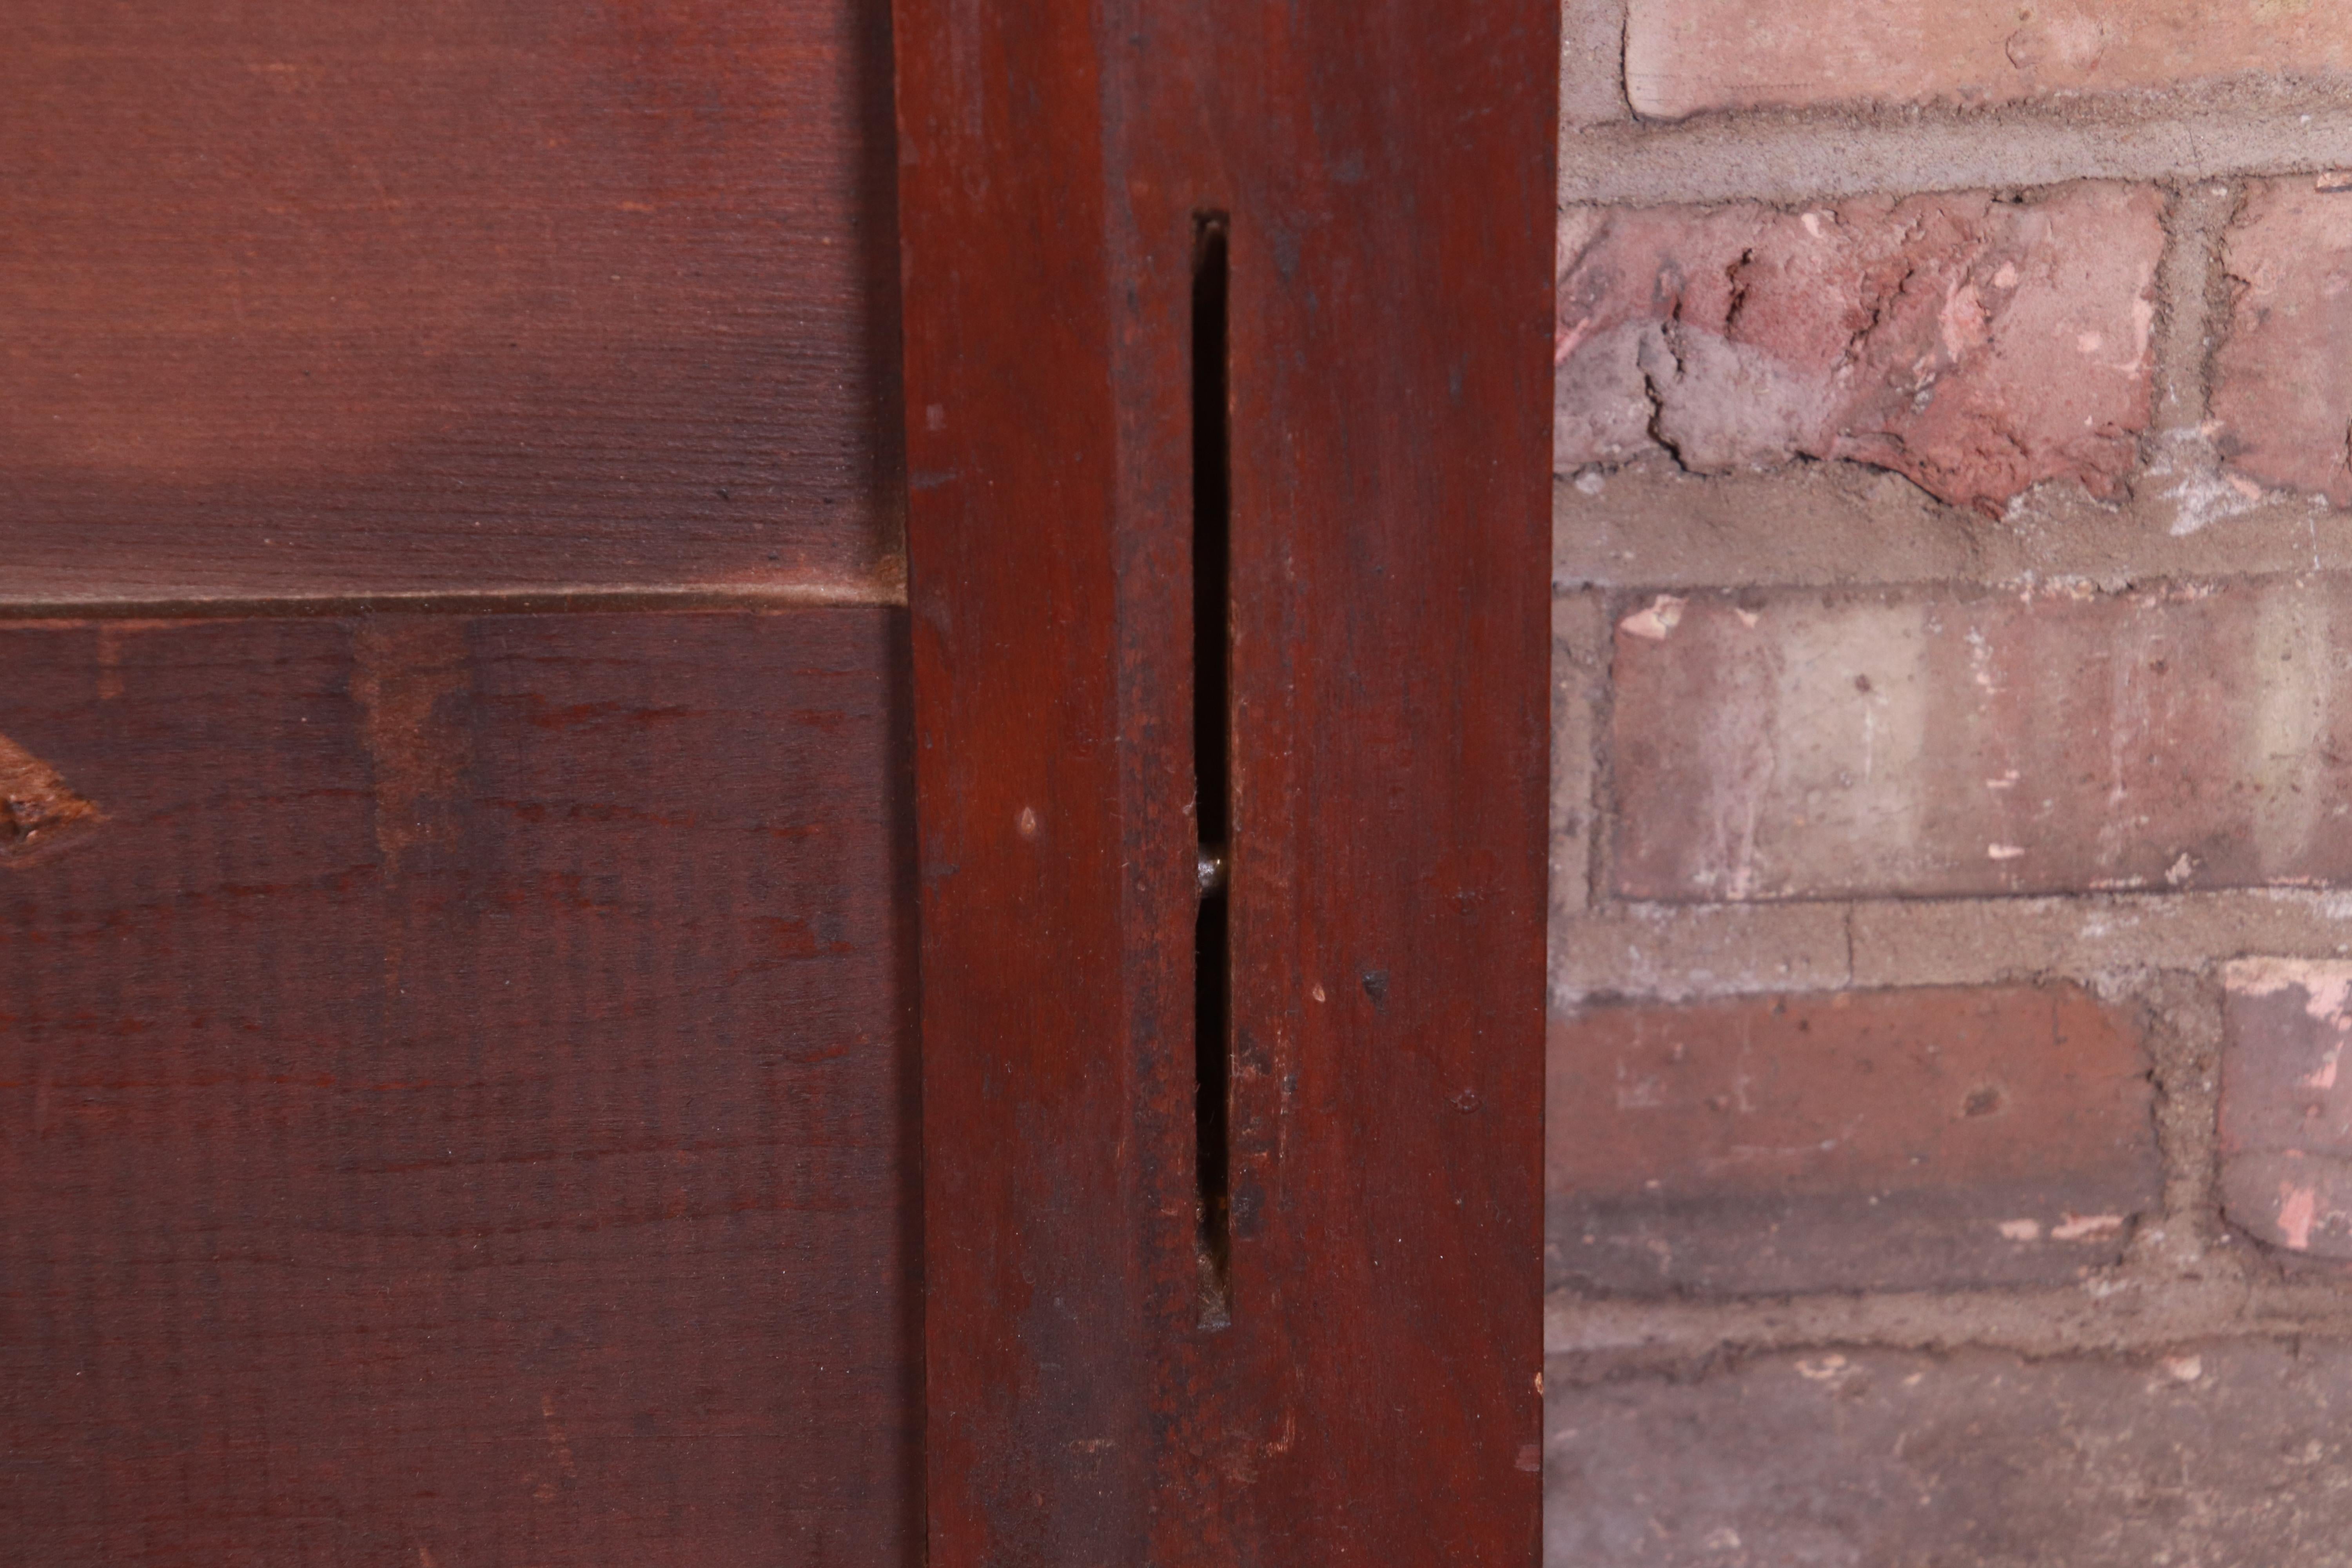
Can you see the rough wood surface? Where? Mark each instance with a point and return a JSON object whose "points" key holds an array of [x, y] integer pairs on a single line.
{"points": [[374, 297], [1386, 172], [458, 1095]]}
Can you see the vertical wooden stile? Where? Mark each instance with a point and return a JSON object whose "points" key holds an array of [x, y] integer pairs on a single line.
{"points": [[1378, 181]]}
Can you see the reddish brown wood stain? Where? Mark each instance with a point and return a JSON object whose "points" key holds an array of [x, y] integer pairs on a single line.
{"points": [[1387, 172], [457, 1105], [374, 297]]}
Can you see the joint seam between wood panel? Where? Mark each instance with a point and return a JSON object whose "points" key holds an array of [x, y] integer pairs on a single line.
{"points": [[879, 595]]}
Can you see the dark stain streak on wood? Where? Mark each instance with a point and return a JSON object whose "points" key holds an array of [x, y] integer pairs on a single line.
{"points": [[409, 679]]}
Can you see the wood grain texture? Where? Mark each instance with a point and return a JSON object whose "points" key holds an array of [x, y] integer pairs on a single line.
{"points": [[456, 1102], [1386, 170], [450, 296]]}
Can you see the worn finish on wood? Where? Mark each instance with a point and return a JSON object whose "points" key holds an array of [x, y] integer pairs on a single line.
{"points": [[1385, 171], [375, 297], [458, 1096]]}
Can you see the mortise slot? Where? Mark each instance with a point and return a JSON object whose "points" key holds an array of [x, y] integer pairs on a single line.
{"points": [[1212, 722]]}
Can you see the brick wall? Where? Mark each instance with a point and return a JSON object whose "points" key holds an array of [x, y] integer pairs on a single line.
{"points": [[1952, 875]]}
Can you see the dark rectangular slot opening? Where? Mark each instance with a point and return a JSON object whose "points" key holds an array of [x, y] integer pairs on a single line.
{"points": [[1212, 722]]}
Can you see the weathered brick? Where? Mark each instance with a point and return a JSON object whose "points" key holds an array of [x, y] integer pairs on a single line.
{"points": [[1977, 345], [1591, 62], [2227, 1453], [2282, 394], [2286, 1109], [1686, 55], [1807, 744], [1892, 1139]]}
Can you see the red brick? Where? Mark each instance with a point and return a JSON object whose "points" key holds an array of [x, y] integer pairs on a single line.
{"points": [[2228, 1452], [1891, 1138], [1809, 744], [1978, 346], [2283, 379], [2286, 1119], [1686, 55]]}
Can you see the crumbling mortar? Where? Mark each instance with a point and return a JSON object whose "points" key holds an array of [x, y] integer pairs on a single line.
{"points": [[2182, 1013], [2224, 202], [1773, 530], [1624, 598], [1586, 643], [2179, 446], [1599, 1338], [2274, 96], [2199, 132], [1601, 847], [2107, 939], [2179, 313]]}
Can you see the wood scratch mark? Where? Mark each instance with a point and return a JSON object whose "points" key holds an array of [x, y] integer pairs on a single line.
{"points": [[109, 663], [557, 1442], [409, 678]]}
